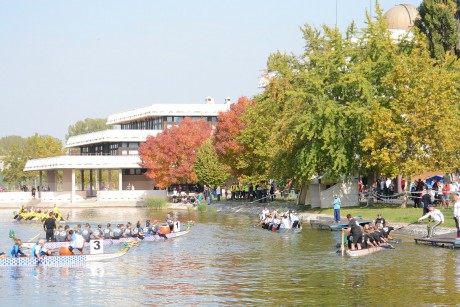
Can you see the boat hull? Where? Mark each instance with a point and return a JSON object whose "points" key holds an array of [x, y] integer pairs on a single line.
{"points": [[366, 251], [55, 245], [72, 260]]}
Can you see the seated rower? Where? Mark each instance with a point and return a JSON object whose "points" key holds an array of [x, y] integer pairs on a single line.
{"points": [[76, 242], [128, 231], [386, 231], [368, 241], [285, 222], [39, 250], [264, 213], [117, 232], [294, 220], [87, 233], [60, 235], [108, 234], [147, 229], [137, 231], [16, 251], [98, 233]]}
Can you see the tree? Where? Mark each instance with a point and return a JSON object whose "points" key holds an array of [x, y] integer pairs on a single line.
{"points": [[228, 129], [411, 129], [170, 155], [209, 170], [7, 142], [439, 22], [36, 146], [87, 125]]}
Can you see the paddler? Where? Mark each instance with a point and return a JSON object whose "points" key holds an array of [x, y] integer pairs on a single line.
{"points": [[16, 251], [39, 250]]}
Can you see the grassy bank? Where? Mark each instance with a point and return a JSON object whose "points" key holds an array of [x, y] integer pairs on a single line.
{"points": [[390, 212]]}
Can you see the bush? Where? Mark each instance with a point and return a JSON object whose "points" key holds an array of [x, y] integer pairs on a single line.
{"points": [[156, 203]]}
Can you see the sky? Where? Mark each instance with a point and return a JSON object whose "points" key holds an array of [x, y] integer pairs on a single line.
{"points": [[63, 61]]}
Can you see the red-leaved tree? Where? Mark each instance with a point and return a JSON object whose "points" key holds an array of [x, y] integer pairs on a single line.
{"points": [[228, 129], [170, 155]]}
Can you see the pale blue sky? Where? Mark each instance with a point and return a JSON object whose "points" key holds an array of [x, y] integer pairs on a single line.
{"points": [[63, 61]]}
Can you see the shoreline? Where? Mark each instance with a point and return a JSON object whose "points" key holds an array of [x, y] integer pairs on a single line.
{"points": [[232, 207]]}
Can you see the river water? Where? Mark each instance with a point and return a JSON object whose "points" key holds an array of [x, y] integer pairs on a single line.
{"points": [[225, 260]]}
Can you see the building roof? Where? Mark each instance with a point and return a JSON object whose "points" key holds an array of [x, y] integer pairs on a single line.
{"points": [[401, 17], [167, 110], [113, 135], [83, 162]]}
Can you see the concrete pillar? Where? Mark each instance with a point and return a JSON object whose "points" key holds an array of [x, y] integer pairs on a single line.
{"points": [[109, 179], [51, 178], [67, 180], [120, 180], [82, 179], [40, 184], [99, 177], [91, 182], [72, 195]]}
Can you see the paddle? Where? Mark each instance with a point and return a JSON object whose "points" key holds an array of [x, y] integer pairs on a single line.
{"points": [[342, 247]]}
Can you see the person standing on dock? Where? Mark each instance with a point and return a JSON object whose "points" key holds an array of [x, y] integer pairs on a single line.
{"points": [[336, 203], [457, 214], [436, 218]]}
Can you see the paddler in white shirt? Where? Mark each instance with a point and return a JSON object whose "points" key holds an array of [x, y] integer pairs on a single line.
{"points": [[436, 218]]}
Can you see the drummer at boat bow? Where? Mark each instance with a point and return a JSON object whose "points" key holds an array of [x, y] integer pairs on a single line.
{"points": [[436, 218], [355, 233]]}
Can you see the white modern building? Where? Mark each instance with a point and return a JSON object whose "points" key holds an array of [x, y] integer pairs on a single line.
{"points": [[106, 164]]}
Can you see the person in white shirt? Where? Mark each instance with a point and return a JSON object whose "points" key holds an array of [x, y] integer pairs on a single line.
{"points": [[436, 218], [457, 214], [264, 213], [285, 223]]}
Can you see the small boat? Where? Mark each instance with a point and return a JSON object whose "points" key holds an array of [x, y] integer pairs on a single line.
{"points": [[157, 237], [68, 260], [368, 251]]}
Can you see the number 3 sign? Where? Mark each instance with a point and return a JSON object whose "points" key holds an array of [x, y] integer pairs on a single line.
{"points": [[96, 247]]}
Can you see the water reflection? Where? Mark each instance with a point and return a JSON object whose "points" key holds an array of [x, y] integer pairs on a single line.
{"points": [[225, 260]]}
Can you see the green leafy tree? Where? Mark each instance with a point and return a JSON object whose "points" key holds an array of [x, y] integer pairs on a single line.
{"points": [[439, 22], [35, 147], [208, 169], [411, 129], [7, 142], [87, 125]]}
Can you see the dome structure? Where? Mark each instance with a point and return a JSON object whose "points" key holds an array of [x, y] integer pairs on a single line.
{"points": [[401, 17]]}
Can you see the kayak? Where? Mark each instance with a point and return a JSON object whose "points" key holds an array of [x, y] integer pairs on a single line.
{"points": [[157, 237], [70, 260]]}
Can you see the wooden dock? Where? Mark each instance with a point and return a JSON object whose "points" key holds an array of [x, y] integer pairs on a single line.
{"points": [[448, 240], [328, 224]]}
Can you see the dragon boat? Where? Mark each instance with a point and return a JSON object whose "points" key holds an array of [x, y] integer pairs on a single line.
{"points": [[149, 238], [64, 261], [30, 215]]}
